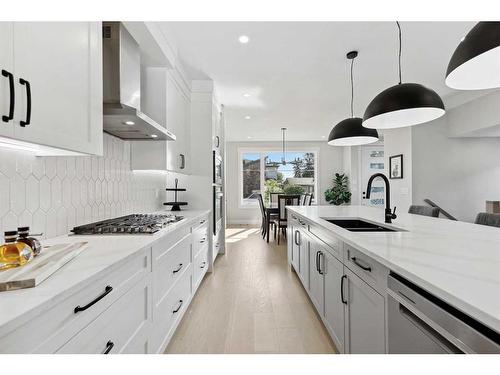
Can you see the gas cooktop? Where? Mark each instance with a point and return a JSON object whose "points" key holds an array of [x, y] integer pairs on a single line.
{"points": [[130, 224]]}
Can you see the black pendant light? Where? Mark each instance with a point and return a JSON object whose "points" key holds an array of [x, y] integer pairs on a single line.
{"points": [[350, 132], [404, 104], [475, 64]]}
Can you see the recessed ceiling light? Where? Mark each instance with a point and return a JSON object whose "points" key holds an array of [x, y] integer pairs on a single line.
{"points": [[129, 123], [247, 117], [246, 95], [249, 137], [243, 39], [154, 136]]}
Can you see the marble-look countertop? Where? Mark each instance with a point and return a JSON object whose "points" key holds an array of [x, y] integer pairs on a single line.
{"points": [[103, 254], [458, 262]]}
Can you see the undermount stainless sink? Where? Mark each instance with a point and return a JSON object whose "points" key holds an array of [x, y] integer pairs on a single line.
{"points": [[357, 225]]}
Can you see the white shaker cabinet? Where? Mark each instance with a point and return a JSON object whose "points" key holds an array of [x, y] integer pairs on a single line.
{"points": [[57, 69], [316, 279], [365, 317], [334, 299], [6, 79]]}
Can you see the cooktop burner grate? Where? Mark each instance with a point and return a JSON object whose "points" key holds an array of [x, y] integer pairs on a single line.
{"points": [[129, 224]]}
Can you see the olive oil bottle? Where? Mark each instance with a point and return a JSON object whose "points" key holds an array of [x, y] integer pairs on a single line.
{"points": [[13, 253]]}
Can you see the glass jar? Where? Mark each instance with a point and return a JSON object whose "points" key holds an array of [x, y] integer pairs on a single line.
{"points": [[13, 253], [32, 242]]}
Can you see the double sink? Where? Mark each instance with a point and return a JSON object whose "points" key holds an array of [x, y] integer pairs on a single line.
{"points": [[358, 225]]}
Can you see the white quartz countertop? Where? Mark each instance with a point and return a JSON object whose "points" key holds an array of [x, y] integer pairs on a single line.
{"points": [[456, 261], [102, 254]]}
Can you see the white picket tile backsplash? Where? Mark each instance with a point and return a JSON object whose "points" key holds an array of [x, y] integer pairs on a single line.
{"points": [[53, 194]]}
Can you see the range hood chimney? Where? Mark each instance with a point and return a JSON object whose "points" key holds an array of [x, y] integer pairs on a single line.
{"points": [[122, 88]]}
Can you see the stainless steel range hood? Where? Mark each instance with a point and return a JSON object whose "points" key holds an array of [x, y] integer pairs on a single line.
{"points": [[122, 88]]}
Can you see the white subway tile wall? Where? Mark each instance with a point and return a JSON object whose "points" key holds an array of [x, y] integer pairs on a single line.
{"points": [[54, 194]]}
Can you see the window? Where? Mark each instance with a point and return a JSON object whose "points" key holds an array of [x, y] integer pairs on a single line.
{"points": [[264, 172]]}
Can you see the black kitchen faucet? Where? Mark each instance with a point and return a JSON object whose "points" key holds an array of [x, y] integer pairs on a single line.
{"points": [[389, 215]]}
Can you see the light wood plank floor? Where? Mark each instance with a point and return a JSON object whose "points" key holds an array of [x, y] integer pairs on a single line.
{"points": [[252, 303]]}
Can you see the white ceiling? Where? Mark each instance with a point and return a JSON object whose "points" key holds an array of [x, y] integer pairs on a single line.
{"points": [[297, 72]]}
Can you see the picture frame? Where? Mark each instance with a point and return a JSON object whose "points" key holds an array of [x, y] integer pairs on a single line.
{"points": [[396, 167]]}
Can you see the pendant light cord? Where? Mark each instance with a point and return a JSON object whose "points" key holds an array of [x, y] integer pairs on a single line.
{"points": [[352, 90], [399, 30]]}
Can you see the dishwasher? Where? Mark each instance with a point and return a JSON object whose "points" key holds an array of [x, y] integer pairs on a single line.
{"points": [[420, 323]]}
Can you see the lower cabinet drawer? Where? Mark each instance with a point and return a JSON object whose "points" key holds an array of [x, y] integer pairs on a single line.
{"points": [[366, 268], [123, 328], [169, 310], [170, 265], [56, 325], [200, 265], [200, 239]]}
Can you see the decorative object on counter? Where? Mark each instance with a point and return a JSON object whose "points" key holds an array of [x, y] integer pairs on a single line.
{"points": [[339, 193], [14, 253], [396, 166], [474, 64], [350, 131], [404, 104], [176, 206], [43, 266], [24, 236], [129, 224]]}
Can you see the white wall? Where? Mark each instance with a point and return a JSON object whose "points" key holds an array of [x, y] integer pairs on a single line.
{"points": [[459, 174], [330, 161], [399, 141]]}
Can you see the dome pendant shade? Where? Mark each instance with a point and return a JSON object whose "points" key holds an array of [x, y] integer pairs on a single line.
{"points": [[475, 64], [350, 132], [405, 104]]}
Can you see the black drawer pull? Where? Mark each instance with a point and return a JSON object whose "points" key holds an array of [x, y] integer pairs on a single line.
{"points": [[203, 264], [27, 121], [12, 96], [202, 222], [321, 255], [109, 345], [107, 290], [203, 240], [178, 269], [366, 268], [342, 289], [178, 307]]}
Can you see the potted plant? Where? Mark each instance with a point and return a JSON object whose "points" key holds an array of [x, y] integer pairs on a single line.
{"points": [[339, 193]]}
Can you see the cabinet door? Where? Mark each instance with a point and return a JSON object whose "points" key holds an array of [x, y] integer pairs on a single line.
{"points": [[6, 64], [334, 307], [304, 258], [62, 61], [316, 280], [365, 317], [295, 249]]}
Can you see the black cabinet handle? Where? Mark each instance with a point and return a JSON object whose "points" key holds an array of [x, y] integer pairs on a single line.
{"points": [[342, 289], [12, 96], [203, 240], [202, 222], [183, 161], [109, 346], [321, 255], [217, 141], [178, 307], [295, 237], [27, 121], [366, 268], [203, 264], [107, 290], [178, 269], [317, 262]]}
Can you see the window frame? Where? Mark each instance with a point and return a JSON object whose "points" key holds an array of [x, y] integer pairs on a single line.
{"points": [[261, 151]]}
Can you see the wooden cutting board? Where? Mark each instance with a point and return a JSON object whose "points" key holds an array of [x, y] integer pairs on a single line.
{"points": [[51, 259]]}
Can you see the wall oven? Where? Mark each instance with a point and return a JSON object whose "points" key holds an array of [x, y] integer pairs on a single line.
{"points": [[217, 168]]}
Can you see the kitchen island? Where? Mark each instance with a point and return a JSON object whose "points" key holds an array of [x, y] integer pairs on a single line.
{"points": [[123, 294], [456, 262]]}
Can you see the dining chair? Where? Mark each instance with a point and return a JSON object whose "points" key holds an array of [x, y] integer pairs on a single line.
{"points": [[280, 223], [424, 210], [484, 218], [263, 226], [308, 199], [273, 198]]}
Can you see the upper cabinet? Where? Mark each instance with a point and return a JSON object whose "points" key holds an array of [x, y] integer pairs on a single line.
{"points": [[56, 72]]}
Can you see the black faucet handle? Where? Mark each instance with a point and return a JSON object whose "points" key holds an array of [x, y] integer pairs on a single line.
{"points": [[393, 214]]}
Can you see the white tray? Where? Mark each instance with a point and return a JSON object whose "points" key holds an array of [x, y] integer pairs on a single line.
{"points": [[43, 266]]}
